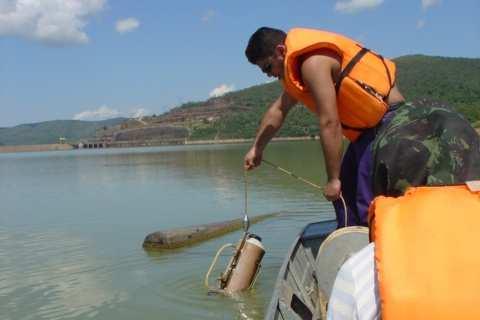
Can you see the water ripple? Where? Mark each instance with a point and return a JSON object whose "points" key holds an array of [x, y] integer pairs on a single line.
{"points": [[48, 276]]}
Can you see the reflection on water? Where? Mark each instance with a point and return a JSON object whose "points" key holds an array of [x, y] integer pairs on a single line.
{"points": [[72, 225]]}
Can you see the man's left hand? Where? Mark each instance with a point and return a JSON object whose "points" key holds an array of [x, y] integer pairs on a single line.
{"points": [[332, 189]]}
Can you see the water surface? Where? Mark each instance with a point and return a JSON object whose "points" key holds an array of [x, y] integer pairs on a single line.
{"points": [[72, 225]]}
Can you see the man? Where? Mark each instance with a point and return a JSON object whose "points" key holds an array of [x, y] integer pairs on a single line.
{"points": [[352, 91]]}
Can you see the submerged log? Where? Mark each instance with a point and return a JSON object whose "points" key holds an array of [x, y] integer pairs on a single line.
{"points": [[176, 238]]}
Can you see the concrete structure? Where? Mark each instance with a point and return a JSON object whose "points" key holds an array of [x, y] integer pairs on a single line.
{"points": [[92, 144]]}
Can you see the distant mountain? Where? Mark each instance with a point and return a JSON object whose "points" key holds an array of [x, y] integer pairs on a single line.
{"points": [[50, 131], [454, 81]]}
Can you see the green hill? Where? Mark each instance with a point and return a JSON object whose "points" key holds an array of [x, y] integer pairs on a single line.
{"points": [[300, 122], [50, 131], [455, 81]]}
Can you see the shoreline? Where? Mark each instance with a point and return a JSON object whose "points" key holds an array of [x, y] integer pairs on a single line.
{"points": [[36, 148], [230, 141], [146, 143], [136, 144]]}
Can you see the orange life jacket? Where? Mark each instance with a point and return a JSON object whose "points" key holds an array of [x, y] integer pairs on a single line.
{"points": [[364, 84], [426, 253]]}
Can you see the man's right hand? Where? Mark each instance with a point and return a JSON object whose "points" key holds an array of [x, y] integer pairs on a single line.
{"points": [[253, 159]]}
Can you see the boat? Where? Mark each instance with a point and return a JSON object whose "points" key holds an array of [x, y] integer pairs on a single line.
{"points": [[306, 277]]}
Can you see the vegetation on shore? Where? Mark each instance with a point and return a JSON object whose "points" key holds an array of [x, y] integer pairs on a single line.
{"points": [[49, 132]]}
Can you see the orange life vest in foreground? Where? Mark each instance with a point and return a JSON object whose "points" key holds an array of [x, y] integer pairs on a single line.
{"points": [[426, 253], [363, 87]]}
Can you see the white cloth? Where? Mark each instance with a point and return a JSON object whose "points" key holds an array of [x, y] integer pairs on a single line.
{"points": [[355, 291]]}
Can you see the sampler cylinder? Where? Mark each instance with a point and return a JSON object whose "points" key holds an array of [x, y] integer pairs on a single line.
{"points": [[247, 266]]}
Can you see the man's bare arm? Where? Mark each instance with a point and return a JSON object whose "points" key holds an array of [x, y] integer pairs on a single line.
{"points": [[317, 73], [271, 122]]}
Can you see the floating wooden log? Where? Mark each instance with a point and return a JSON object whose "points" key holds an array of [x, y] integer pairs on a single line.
{"points": [[176, 238]]}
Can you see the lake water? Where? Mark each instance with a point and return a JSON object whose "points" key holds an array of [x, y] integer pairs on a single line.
{"points": [[72, 225]]}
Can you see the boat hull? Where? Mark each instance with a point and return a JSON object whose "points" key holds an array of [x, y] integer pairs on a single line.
{"points": [[308, 272]]}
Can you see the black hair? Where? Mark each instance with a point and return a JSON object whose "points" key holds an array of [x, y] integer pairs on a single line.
{"points": [[263, 42]]}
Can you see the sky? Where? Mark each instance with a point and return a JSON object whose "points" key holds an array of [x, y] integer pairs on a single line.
{"points": [[99, 59]]}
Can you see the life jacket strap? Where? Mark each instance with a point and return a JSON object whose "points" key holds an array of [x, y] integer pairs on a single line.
{"points": [[388, 74], [350, 66], [359, 55], [345, 126]]}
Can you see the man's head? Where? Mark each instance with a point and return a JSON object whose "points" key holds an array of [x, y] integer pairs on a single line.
{"points": [[266, 49]]}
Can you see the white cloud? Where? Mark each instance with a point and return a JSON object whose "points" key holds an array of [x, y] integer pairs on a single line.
{"points": [[208, 15], [105, 112], [429, 3], [101, 113], [138, 113], [53, 22], [127, 25], [353, 6], [420, 24], [221, 90]]}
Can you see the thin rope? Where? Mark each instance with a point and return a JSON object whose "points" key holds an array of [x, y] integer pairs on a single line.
{"points": [[246, 221], [309, 183]]}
